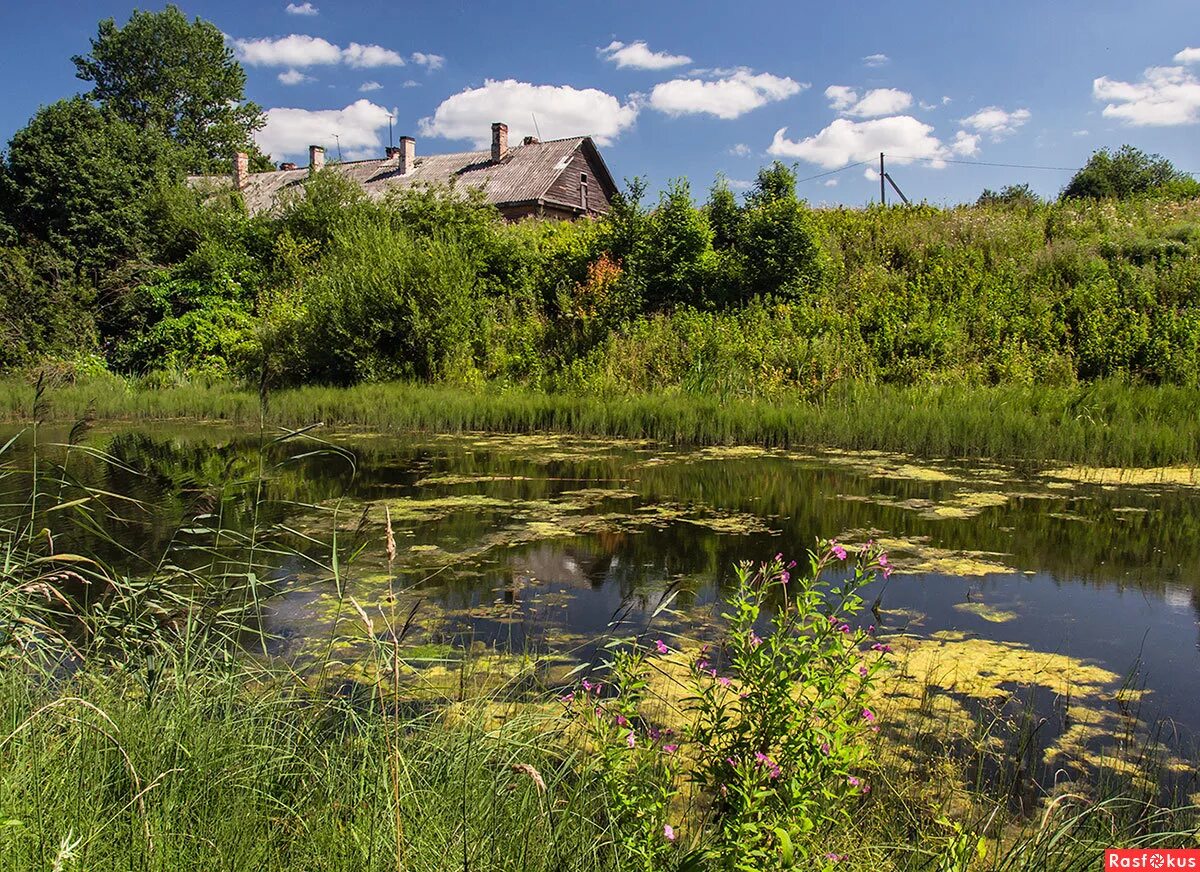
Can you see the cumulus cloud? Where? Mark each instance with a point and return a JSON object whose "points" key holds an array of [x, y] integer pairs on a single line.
{"points": [[301, 9], [298, 50], [729, 97], [845, 141], [364, 56], [876, 102], [740, 150], [431, 62], [965, 144], [876, 60], [1079, 132], [830, 183], [1188, 56], [1165, 96], [638, 56], [293, 77], [366, 87], [560, 110], [289, 132], [996, 122]]}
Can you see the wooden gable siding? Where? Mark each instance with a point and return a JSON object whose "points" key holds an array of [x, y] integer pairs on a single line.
{"points": [[565, 192]]}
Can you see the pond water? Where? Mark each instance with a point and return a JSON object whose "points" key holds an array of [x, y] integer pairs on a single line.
{"points": [[1078, 582]]}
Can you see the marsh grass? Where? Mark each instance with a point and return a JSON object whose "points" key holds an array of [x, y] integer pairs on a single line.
{"points": [[1107, 423]]}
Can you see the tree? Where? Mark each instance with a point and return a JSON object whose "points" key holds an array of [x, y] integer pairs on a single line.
{"points": [[678, 251], [724, 215], [776, 182], [80, 179], [1009, 195], [1128, 172], [162, 72]]}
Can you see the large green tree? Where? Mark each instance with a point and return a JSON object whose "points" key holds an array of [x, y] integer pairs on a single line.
{"points": [[80, 179], [1128, 172], [161, 71]]}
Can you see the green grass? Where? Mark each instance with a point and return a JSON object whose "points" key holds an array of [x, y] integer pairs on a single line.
{"points": [[1106, 423]]}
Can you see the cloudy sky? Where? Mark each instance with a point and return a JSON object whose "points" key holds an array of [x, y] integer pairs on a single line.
{"points": [[673, 88]]}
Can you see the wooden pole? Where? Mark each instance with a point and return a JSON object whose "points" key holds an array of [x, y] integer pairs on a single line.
{"points": [[882, 189]]}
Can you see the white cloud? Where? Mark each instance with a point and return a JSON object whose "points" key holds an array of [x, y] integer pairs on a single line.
{"points": [[1165, 97], [295, 50], [366, 87], [366, 56], [560, 110], [638, 56], [293, 77], [740, 184], [841, 97], [411, 83], [876, 102], [291, 131], [965, 144], [876, 60], [830, 183], [726, 98], [995, 121], [870, 175], [431, 62], [740, 150], [1079, 133], [1188, 56], [301, 9], [844, 141], [298, 50]]}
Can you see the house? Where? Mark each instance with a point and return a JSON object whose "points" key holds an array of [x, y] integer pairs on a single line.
{"points": [[562, 179]]}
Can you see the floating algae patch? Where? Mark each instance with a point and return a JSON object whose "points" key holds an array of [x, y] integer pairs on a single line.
{"points": [[1168, 476], [988, 613], [916, 556], [419, 511], [961, 505], [447, 479], [986, 670]]}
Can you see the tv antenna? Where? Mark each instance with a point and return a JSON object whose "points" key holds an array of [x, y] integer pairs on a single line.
{"points": [[390, 119], [337, 139], [535, 126]]}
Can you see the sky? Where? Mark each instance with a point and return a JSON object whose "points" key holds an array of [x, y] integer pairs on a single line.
{"points": [[698, 89]]}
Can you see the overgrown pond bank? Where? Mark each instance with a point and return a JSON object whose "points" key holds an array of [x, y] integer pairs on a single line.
{"points": [[1106, 424]]}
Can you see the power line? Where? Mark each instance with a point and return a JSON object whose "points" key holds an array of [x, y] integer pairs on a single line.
{"points": [[831, 172]]}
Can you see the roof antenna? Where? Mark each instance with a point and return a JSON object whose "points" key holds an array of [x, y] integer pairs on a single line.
{"points": [[390, 118], [338, 140], [535, 127]]}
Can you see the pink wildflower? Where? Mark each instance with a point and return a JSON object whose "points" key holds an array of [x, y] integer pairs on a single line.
{"points": [[868, 716], [838, 551], [862, 670], [622, 721], [853, 782], [785, 577], [567, 697], [668, 832], [755, 641], [767, 763], [724, 681], [630, 740], [661, 647], [670, 749], [825, 748]]}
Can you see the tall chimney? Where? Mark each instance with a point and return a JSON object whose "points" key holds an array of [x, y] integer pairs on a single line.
{"points": [[499, 141], [241, 170], [316, 158], [407, 154]]}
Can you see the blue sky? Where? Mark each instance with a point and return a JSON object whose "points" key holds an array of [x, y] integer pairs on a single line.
{"points": [[698, 88]]}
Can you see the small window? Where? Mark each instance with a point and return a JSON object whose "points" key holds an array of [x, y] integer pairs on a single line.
{"points": [[583, 191]]}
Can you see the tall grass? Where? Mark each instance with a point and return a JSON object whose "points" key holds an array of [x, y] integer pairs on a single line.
{"points": [[1106, 423]]}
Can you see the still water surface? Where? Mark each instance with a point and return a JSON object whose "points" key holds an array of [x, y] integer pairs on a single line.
{"points": [[538, 542]]}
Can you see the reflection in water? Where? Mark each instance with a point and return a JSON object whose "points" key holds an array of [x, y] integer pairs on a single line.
{"points": [[541, 542]]}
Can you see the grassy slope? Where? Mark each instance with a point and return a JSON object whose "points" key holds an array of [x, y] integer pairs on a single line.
{"points": [[1102, 424]]}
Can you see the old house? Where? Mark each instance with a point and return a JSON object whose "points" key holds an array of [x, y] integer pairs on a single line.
{"points": [[562, 179]]}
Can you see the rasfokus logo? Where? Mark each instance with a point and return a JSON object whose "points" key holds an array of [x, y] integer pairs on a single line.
{"points": [[1152, 858]]}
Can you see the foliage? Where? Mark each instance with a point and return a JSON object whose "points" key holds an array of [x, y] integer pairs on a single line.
{"points": [[1129, 172], [178, 78], [1009, 195], [80, 179], [44, 313]]}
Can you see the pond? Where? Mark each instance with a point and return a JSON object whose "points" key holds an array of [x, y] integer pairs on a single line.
{"points": [[1083, 584]]}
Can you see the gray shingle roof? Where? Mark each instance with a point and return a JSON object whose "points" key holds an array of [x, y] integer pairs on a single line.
{"points": [[524, 175]]}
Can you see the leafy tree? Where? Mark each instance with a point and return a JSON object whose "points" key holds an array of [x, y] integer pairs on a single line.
{"points": [[42, 312], [1128, 172], [776, 182], [163, 72], [724, 215], [80, 180], [1009, 195], [783, 255], [678, 242]]}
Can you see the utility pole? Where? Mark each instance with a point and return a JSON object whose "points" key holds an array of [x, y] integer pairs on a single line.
{"points": [[882, 189]]}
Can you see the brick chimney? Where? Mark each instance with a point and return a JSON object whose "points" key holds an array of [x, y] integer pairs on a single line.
{"points": [[499, 141], [316, 158], [407, 154], [241, 170]]}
